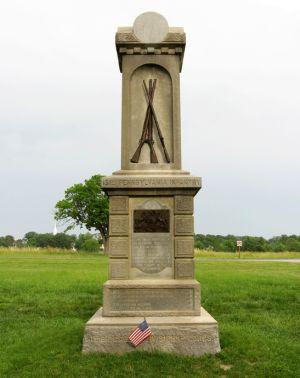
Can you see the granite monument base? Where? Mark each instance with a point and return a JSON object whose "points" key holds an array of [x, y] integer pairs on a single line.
{"points": [[185, 335], [151, 298]]}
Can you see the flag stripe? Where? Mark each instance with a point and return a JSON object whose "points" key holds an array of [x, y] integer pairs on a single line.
{"points": [[134, 332], [146, 334], [139, 340], [140, 337], [140, 333]]}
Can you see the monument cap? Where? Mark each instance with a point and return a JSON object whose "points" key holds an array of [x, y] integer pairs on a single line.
{"points": [[150, 27]]}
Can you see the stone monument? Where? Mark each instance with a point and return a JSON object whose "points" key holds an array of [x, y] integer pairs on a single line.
{"points": [[151, 224]]}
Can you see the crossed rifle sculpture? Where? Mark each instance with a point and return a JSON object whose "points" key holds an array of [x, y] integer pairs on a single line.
{"points": [[149, 122]]}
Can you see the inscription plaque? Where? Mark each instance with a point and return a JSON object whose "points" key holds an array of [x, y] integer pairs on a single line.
{"points": [[151, 220], [151, 253], [149, 299]]}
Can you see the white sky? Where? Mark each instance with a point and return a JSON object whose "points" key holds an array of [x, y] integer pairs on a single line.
{"points": [[60, 107]]}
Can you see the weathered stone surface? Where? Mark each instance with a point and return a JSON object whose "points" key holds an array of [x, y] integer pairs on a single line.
{"points": [[118, 225], [186, 335], [184, 205], [152, 254], [118, 247], [161, 297], [184, 225], [118, 205], [150, 27], [184, 246], [184, 268], [118, 269]]}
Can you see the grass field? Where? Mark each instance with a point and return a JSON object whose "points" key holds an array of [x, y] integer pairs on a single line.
{"points": [[46, 298], [246, 255]]}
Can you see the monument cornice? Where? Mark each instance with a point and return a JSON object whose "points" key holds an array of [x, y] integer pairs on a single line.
{"points": [[128, 44]]}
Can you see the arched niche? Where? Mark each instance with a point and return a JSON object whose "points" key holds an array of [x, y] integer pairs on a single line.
{"points": [[163, 106]]}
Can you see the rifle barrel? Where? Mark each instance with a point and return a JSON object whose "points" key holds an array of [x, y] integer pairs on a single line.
{"points": [[157, 124]]}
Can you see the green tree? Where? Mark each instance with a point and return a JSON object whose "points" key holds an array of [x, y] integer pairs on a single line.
{"points": [[7, 241], [31, 239], [87, 242], [62, 240], [85, 205]]}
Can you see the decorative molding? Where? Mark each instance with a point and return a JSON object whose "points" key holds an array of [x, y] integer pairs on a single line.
{"points": [[175, 37], [150, 50], [126, 37]]}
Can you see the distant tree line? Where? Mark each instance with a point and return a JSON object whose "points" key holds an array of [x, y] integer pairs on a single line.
{"points": [[85, 242], [227, 243], [219, 243]]}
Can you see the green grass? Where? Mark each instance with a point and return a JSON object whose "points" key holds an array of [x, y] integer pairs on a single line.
{"points": [[201, 253], [46, 298]]}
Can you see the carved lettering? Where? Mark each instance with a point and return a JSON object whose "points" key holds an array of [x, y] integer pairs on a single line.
{"points": [[151, 253], [200, 337], [144, 299], [120, 182]]}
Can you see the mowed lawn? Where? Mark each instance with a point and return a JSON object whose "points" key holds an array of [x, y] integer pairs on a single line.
{"points": [[46, 298]]}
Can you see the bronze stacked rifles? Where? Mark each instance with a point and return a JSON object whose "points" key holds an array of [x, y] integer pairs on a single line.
{"points": [[147, 133]]}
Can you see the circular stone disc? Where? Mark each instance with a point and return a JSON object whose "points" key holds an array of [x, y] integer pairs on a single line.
{"points": [[150, 27]]}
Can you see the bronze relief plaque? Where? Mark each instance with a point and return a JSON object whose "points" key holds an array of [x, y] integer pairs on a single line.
{"points": [[151, 220]]}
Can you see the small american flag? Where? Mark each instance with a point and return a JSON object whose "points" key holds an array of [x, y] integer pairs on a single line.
{"points": [[140, 333]]}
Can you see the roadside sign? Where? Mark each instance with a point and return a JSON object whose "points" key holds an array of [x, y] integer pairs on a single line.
{"points": [[239, 244]]}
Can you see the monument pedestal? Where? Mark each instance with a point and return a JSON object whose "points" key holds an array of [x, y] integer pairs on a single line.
{"points": [[185, 335], [151, 269]]}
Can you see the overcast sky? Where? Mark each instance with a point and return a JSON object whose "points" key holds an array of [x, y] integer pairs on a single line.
{"points": [[60, 107]]}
